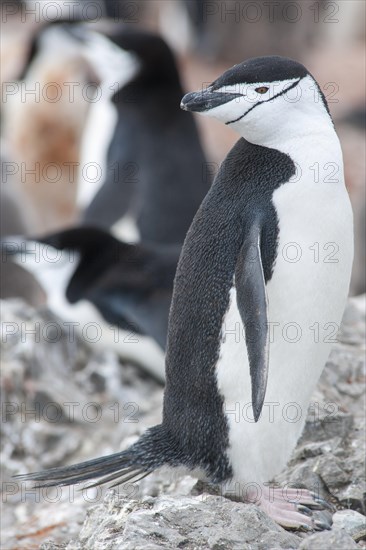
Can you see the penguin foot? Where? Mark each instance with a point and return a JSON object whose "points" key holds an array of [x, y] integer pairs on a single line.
{"points": [[295, 509], [301, 496]]}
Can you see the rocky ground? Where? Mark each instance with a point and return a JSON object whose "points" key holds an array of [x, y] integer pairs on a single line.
{"points": [[63, 401]]}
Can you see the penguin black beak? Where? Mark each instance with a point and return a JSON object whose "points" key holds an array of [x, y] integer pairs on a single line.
{"points": [[205, 100]]}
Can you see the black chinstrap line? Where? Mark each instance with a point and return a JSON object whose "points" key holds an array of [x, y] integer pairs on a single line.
{"points": [[262, 102]]}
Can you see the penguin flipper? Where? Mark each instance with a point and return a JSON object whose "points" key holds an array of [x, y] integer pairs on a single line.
{"points": [[252, 304]]}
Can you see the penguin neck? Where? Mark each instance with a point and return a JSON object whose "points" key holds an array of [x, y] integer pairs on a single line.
{"points": [[305, 122]]}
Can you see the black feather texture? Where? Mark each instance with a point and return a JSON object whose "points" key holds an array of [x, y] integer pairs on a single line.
{"points": [[194, 431]]}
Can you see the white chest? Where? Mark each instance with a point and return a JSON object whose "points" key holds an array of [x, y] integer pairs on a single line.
{"points": [[306, 298]]}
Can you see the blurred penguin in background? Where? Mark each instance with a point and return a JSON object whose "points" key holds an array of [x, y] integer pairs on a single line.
{"points": [[148, 177], [129, 284], [44, 121]]}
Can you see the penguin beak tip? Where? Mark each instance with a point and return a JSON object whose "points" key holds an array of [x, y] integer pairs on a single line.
{"points": [[189, 102]]}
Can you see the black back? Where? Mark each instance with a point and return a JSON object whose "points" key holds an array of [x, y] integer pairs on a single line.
{"points": [[242, 191]]}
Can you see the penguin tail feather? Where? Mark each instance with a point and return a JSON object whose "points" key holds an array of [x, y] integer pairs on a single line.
{"points": [[118, 466]]}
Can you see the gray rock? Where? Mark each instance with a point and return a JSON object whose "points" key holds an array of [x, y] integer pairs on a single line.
{"points": [[352, 329], [310, 450], [164, 513], [50, 544], [352, 523], [202, 522], [327, 423], [302, 474], [336, 539], [332, 471], [353, 496]]}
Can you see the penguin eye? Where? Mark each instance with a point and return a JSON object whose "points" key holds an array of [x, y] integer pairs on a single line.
{"points": [[262, 89]]}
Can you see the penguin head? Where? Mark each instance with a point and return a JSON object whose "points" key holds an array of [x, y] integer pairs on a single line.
{"points": [[156, 59], [157, 74], [259, 94]]}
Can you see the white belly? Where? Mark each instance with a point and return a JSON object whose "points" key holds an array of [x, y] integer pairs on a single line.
{"points": [[306, 299]]}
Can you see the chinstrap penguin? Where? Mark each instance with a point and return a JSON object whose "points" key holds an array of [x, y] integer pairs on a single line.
{"points": [[236, 272]]}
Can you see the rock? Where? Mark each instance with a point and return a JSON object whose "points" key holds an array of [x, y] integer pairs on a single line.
{"points": [[310, 450], [62, 402], [326, 421], [332, 471], [352, 329], [353, 496], [201, 522], [158, 512], [352, 523], [50, 544], [336, 539]]}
